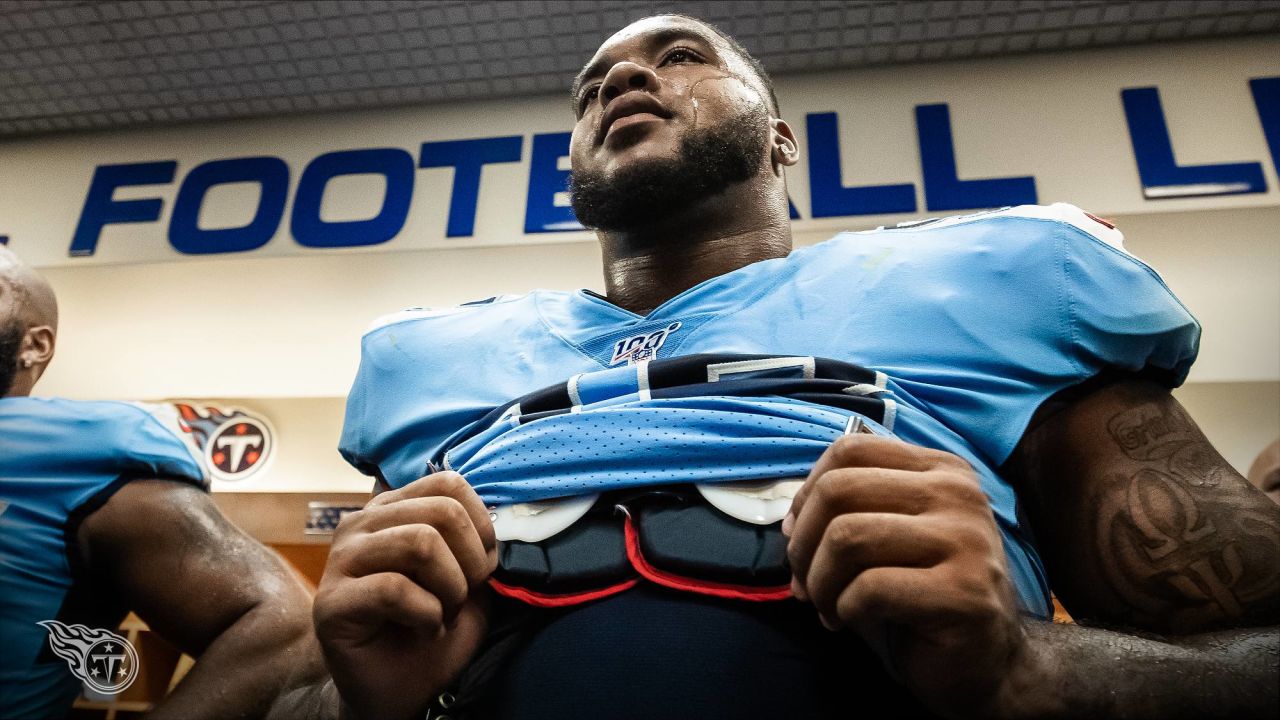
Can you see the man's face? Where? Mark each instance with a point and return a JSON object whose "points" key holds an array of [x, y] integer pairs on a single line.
{"points": [[667, 115]]}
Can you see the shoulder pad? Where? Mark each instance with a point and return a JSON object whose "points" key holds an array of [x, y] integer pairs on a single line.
{"points": [[173, 418], [420, 312], [1090, 224], [1066, 213]]}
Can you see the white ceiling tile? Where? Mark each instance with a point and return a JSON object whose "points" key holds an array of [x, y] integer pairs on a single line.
{"points": [[127, 62]]}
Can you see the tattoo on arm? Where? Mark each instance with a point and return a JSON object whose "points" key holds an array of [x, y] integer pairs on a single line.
{"points": [[1180, 542]]}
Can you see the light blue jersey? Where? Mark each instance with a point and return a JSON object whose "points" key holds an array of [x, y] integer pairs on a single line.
{"points": [[59, 461], [956, 329]]}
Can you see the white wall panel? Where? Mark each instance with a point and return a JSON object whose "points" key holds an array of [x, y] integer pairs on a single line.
{"points": [[1056, 117], [278, 329]]}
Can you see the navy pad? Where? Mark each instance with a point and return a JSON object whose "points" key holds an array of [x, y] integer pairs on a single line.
{"points": [[589, 555], [697, 541]]}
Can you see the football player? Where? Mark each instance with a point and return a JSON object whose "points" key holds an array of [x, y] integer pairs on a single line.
{"points": [[752, 481], [104, 508]]}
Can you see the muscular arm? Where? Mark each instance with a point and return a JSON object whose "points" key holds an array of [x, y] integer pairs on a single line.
{"points": [[205, 586], [1146, 530]]}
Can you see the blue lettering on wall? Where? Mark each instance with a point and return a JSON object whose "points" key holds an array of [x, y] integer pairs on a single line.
{"points": [[1266, 97], [310, 230], [467, 157], [101, 209], [541, 213], [943, 188], [1161, 175], [828, 195], [185, 234]]}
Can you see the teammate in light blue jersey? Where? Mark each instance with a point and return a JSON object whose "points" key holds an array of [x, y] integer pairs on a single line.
{"points": [[104, 508], [1014, 366]]}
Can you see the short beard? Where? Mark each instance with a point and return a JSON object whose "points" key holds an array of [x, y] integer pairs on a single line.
{"points": [[709, 162], [10, 343]]}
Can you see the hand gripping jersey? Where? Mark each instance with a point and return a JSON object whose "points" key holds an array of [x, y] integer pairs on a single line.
{"points": [[59, 461], [947, 333]]}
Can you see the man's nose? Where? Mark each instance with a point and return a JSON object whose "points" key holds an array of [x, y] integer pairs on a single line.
{"points": [[625, 77]]}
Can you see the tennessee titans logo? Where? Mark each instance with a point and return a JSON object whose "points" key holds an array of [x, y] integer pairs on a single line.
{"points": [[105, 661], [235, 443], [641, 347]]}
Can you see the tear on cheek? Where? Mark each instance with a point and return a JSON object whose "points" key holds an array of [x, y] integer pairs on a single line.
{"points": [[725, 89]]}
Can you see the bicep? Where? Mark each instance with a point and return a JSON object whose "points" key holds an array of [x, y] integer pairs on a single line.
{"points": [[169, 553], [1140, 521]]}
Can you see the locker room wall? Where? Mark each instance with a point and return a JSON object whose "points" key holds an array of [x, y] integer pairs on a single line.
{"points": [[278, 330]]}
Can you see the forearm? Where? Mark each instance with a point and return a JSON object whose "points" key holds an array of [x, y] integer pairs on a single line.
{"points": [[318, 700], [263, 664], [1076, 671]]}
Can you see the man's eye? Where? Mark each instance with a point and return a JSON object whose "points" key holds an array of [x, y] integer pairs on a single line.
{"points": [[679, 55], [588, 95]]}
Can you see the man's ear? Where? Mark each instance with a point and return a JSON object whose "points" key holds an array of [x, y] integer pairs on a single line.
{"points": [[785, 150], [37, 346]]}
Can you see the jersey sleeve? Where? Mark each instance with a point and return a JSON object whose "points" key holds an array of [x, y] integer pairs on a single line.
{"points": [[411, 391], [1122, 315], [160, 444], [381, 382], [1037, 299], [1119, 315], [351, 444]]}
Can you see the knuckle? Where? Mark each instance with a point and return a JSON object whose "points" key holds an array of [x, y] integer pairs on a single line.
{"points": [[349, 523], [959, 488], [344, 553], [967, 538], [845, 534], [425, 542], [450, 483], [997, 574], [984, 605], [387, 589], [798, 556], [338, 553], [828, 486], [848, 448], [865, 596], [452, 513], [964, 542], [952, 461]]}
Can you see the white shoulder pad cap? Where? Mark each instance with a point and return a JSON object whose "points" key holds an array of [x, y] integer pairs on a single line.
{"points": [[1072, 215], [1093, 225], [419, 313]]}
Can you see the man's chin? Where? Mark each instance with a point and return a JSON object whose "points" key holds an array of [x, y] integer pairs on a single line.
{"points": [[633, 186], [639, 152]]}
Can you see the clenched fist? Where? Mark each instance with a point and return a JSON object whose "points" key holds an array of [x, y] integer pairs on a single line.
{"points": [[898, 544], [401, 607]]}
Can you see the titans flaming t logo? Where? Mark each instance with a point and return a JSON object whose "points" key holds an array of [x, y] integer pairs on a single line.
{"points": [[235, 443], [105, 661]]}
